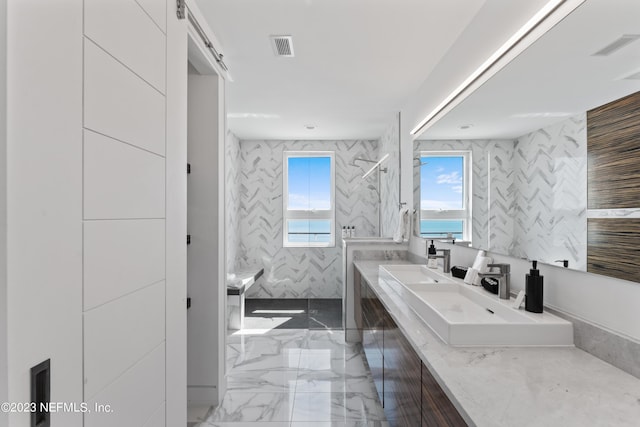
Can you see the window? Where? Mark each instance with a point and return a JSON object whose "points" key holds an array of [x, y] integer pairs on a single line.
{"points": [[309, 199], [445, 205]]}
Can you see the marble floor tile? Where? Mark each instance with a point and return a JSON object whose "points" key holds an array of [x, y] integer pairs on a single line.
{"points": [[281, 322], [330, 340], [337, 407], [279, 338], [331, 382], [296, 378], [240, 406], [334, 360], [198, 413], [288, 359], [273, 380]]}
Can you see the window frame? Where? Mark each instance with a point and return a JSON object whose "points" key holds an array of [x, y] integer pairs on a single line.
{"points": [[466, 213], [311, 214]]}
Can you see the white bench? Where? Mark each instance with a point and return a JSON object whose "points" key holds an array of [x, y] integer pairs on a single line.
{"points": [[237, 285]]}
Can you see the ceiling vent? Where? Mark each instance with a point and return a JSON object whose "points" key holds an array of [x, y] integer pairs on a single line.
{"points": [[634, 76], [282, 46], [617, 44]]}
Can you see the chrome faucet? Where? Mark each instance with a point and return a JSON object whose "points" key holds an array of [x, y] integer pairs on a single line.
{"points": [[446, 259], [504, 279]]}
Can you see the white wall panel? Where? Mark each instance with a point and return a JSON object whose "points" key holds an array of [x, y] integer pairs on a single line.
{"points": [[157, 10], [203, 350], [4, 380], [176, 219], [118, 334], [158, 418], [121, 257], [44, 199], [135, 397], [121, 181], [120, 104], [138, 42]]}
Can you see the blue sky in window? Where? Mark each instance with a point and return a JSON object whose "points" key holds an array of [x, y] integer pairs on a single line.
{"points": [[441, 183], [309, 183]]}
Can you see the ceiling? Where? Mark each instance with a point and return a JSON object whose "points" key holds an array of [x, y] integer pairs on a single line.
{"points": [[555, 78], [356, 61]]}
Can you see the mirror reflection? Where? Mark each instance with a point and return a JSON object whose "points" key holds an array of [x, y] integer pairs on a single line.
{"points": [[522, 187]]}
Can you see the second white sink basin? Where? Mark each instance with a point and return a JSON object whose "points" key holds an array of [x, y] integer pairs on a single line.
{"points": [[465, 315]]}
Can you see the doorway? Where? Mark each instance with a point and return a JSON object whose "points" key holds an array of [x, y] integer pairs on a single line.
{"points": [[206, 318]]}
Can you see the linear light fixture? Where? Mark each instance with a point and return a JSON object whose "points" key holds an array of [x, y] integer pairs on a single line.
{"points": [[373, 168], [516, 38]]}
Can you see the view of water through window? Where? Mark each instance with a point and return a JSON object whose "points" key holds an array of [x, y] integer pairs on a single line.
{"points": [[309, 189]]}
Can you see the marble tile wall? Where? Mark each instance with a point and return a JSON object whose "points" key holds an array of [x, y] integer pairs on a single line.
{"points": [[492, 207], [298, 272], [551, 193], [389, 182], [232, 200]]}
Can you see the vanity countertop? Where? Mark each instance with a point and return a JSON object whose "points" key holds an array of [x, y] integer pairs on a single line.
{"points": [[516, 386]]}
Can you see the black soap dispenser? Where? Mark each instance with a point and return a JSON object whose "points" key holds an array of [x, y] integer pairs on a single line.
{"points": [[534, 295], [432, 261]]}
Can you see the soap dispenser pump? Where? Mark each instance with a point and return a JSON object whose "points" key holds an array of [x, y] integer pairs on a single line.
{"points": [[432, 261], [534, 290]]}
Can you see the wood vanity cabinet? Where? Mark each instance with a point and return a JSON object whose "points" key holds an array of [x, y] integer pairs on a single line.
{"points": [[372, 318], [437, 409], [401, 373], [408, 392]]}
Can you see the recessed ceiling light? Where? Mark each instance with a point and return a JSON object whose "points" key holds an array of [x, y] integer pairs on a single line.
{"points": [[310, 127]]}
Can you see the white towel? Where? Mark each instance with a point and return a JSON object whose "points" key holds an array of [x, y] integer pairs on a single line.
{"points": [[480, 265], [403, 225]]}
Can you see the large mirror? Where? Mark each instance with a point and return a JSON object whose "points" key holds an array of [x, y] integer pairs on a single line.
{"points": [[506, 170]]}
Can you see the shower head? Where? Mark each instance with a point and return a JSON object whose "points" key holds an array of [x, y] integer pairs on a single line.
{"points": [[356, 159]]}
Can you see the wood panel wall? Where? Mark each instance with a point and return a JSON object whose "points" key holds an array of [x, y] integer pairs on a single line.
{"points": [[613, 150], [613, 182], [613, 247]]}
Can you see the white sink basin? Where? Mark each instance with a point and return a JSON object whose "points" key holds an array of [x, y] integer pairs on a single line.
{"points": [[464, 315]]}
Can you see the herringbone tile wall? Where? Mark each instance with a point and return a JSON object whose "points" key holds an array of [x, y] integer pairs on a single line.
{"points": [[551, 193], [297, 272], [232, 200], [389, 191], [529, 194]]}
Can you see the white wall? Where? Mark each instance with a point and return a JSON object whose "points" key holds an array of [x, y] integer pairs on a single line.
{"points": [[176, 220], [204, 327], [86, 201], [124, 190], [3, 210], [44, 199], [90, 157]]}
